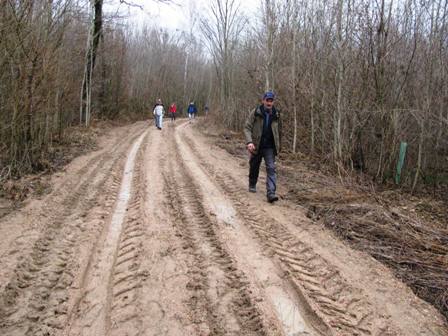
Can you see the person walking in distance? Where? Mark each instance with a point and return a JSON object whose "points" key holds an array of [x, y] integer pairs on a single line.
{"points": [[206, 110], [262, 132], [159, 111], [172, 110], [192, 110]]}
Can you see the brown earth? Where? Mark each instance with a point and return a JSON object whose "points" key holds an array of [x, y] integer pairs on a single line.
{"points": [[155, 234]]}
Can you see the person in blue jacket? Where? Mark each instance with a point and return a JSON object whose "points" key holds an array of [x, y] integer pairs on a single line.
{"points": [[192, 110]]}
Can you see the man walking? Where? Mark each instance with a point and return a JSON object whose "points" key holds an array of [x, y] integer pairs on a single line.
{"points": [[158, 113], [262, 131], [192, 110]]}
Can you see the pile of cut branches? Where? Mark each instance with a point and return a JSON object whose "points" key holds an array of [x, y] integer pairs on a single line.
{"points": [[416, 249]]}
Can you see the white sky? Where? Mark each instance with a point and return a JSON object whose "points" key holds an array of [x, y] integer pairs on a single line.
{"points": [[171, 16]]}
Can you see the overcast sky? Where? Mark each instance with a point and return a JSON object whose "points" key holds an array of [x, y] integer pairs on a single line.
{"points": [[171, 16]]}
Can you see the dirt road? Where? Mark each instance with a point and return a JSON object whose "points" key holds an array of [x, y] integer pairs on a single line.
{"points": [[155, 234]]}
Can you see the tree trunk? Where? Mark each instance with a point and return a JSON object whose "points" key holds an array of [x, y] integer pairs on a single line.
{"points": [[269, 85], [419, 156], [293, 82], [337, 114], [313, 127], [92, 47]]}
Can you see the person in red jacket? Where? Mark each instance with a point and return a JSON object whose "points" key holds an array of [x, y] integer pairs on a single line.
{"points": [[172, 111]]}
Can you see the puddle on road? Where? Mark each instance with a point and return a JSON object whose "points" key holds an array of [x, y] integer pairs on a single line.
{"points": [[99, 282], [288, 312], [226, 213]]}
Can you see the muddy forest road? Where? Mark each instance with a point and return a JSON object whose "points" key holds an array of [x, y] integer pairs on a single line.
{"points": [[156, 234]]}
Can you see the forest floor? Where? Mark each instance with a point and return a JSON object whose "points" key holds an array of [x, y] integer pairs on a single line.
{"points": [[154, 233]]}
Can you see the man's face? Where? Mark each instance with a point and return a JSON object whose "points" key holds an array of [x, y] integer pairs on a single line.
{"points": [[268, 103]]}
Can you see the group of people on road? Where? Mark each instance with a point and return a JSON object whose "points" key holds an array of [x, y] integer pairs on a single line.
{"points": [[262, 131], [159, 112]]}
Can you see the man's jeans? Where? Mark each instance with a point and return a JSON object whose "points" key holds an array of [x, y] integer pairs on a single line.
{"points": [[271, 175], [159, 121]]}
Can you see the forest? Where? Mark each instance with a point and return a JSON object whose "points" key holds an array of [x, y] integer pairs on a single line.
{"points": [[357, 81]]}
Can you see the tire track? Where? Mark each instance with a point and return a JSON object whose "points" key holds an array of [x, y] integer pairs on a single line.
{"points": [[92, 312], [220, 300], [35, 301], [340, 307], [127, 278], [55, 204], [164, 299]]}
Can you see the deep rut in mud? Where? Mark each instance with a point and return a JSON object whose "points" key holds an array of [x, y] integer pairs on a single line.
{"points": [[152, 236]]}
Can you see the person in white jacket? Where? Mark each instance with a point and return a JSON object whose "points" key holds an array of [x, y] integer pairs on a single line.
{"points": [[159, 111]]}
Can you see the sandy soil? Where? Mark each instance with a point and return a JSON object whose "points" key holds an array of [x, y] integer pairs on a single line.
{"points": [[156, 234]]}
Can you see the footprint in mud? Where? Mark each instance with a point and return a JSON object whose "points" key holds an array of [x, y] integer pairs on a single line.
{"points": [[156, 312]]}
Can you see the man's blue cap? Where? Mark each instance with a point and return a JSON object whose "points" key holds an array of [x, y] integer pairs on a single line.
{"points": [[269, 95]]}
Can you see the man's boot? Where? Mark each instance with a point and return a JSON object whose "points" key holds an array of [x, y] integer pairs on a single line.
{"points": [[272, 198]]}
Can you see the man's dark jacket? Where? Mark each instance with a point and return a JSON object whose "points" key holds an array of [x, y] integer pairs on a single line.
{"points": [[253, 129]]}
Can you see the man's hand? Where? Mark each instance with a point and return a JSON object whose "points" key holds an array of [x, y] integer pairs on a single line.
{"points": [[250, 147]]}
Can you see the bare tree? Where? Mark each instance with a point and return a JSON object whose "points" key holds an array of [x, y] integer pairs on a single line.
{"points": [[222, 32], [270, 28], [93, 40]]}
